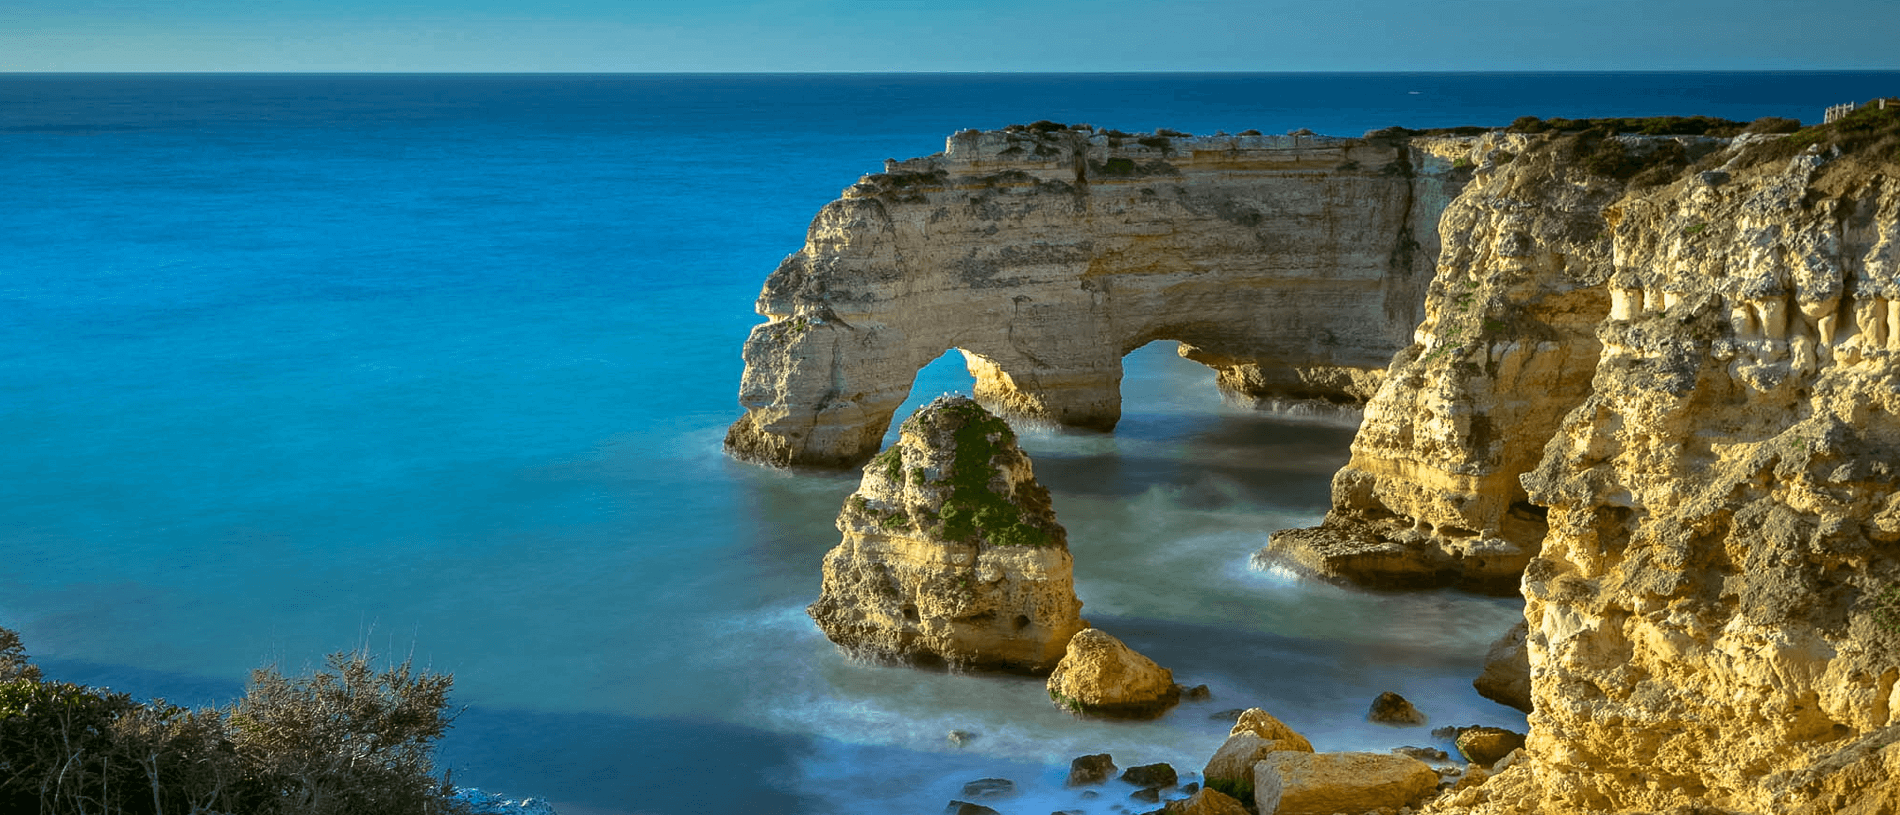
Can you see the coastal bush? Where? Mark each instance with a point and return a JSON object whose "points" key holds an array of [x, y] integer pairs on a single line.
{"points": [[1871, 132], [13, 661], [1642, 126], [350, 741], [355, 740], [1773, 124]]}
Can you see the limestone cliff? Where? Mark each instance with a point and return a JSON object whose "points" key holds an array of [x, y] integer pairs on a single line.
{"points": [[1704, 615], [1506, 349], [951, 553], [1294, 265]]}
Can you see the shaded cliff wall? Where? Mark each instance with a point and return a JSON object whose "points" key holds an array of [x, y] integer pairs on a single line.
{"points": [[1293, 265], [1506, 349]]}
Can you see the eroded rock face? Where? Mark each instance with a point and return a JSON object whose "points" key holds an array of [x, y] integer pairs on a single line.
{"points": [[1295, 266], [1507, 347], [1101, 676], [1723, 514], [951, 553]]}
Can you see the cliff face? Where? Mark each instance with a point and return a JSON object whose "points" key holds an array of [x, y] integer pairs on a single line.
{"points": [[1705, 613], [1506, 349], [1294, 265], [951, 554]]}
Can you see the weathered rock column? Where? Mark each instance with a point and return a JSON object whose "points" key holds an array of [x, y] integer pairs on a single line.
{"points": [[952, 554]]}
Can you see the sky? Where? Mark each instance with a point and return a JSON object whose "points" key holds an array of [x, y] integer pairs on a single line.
{"points": [[946, 35]]}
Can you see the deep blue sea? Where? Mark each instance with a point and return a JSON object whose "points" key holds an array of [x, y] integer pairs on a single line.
{"points": [[439, 365]]}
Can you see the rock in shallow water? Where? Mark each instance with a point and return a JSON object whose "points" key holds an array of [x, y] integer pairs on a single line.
{"points": [[1507, 670], [1393, 709], [1091, 769], [1101, 676], [1289, 783]]}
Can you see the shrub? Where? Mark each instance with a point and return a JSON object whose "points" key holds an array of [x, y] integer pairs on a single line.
{"points": [[1773, 124], [13, 662], [353, 741]]}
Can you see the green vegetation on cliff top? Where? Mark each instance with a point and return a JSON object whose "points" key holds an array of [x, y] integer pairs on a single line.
{"points": [[972, 510]]}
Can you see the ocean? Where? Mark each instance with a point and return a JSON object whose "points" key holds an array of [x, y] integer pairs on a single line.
{"points": [[440, 365]]}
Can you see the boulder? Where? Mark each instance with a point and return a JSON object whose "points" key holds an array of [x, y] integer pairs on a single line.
{"points": [[1206, 802], [967, 808], [1102, 676], [951, 552], [1507, 670], [1231, 768], [1486, 745], [1391, 708], [1093, 769], [1264, 725], [1151, 775], [1293, 783]]}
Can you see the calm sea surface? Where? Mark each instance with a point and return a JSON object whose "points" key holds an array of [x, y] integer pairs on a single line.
{"points": [[440, 364]]}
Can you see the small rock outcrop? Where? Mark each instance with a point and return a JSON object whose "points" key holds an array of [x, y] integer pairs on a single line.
{"points": [[1327, 783], [1393, 709], [951, 552], [1507, 670], [1101, 676]]}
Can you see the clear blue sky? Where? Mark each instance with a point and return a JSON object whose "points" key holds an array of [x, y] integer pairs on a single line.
{"points": [[946, 35]]}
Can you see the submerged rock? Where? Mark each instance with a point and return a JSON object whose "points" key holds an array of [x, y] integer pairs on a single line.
{"points": [[952, 553], [1101, 676], [989, 788]]}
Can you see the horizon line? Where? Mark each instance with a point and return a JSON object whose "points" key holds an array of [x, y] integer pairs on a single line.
{"points": [[1590, 71]]}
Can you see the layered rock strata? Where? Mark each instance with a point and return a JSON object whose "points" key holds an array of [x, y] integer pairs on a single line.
{"points": [[1295, 266], [1704, 621], [951, 554], [1507, 347]]}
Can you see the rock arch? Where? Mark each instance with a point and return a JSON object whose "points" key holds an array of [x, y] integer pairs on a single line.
{"points": [[1292, 265]]}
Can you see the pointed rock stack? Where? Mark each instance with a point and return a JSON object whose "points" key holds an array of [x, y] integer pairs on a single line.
{"points": [[952, 554]]}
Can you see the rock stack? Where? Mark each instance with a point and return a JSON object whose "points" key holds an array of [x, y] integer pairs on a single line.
{"points": [[951, 554]]}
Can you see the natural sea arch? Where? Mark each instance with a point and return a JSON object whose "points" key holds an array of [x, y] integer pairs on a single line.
{"points": [[1293, 266]]}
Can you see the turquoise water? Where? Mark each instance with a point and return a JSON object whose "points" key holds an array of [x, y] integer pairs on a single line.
{"points": [[290, 364]]}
